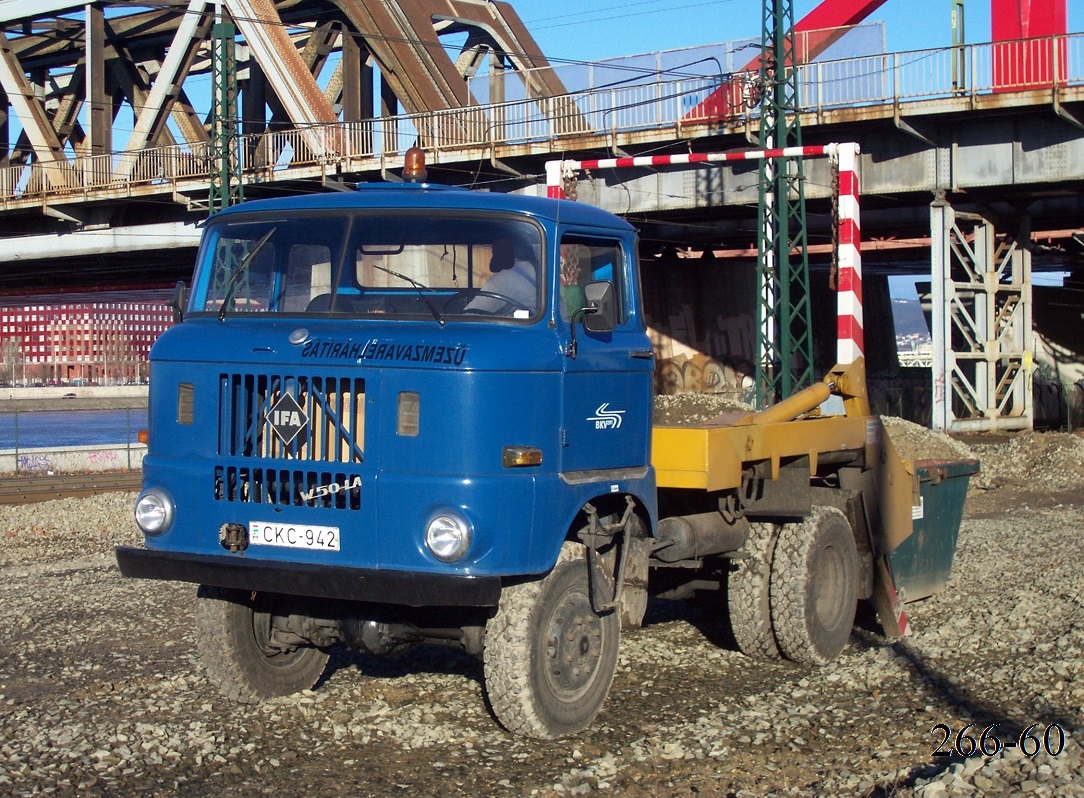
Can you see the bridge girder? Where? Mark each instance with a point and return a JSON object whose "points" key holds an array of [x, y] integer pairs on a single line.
{"points": [[144, 60]]}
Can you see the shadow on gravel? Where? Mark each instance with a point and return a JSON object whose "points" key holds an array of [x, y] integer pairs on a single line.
{"points": [[428, 658], [705, 611], [958, 694], [420, 660]]}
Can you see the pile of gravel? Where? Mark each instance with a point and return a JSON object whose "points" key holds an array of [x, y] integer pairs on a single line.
{"points": [[698, 408], [1043, 462], [1040, 461], [914, 442]]}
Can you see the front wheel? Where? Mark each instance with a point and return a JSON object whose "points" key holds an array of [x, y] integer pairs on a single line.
{"points": [[549, 657], [235, 640]]}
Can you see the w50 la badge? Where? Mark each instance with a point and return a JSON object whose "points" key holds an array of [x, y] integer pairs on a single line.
{"points": [[605, 418]]}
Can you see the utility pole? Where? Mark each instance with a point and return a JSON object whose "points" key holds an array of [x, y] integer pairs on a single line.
{"points": [[225, 188], [959, 39], [784, 359]]}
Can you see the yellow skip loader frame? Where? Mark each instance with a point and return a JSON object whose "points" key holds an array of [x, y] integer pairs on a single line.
{"points": [[714, 457]]}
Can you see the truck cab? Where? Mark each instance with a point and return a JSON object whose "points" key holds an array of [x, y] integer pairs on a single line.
{"points": [[383, 411]]}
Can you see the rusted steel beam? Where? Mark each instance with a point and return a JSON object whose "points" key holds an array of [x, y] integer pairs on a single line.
{"points": [[151, 120], [35, 119], [402, 37], [401, 56], [286, 70], [99, 112]]}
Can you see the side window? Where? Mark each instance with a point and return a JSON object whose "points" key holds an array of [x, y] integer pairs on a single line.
{"points": [[585, 260]]}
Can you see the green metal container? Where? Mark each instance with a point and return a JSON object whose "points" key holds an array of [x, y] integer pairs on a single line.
{"points": [[921, 564]]}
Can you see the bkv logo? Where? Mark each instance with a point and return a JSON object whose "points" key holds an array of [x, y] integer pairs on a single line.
{"points": [[605, 418]]}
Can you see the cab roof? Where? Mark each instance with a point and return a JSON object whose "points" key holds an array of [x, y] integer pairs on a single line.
{"points": [[413, 196]]}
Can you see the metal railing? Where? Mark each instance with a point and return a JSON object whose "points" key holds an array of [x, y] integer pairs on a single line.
{"points": [[665, 106], [36, 453], [970, 70]]}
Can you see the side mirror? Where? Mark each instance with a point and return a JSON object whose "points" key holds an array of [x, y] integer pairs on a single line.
{"points": [[179, 301], [600, 310]]}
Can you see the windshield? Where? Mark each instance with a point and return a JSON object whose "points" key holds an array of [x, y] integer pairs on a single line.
{"points": [[361, 264]]}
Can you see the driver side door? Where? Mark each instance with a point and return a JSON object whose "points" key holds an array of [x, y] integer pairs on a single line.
{"points": [[607, 390]]}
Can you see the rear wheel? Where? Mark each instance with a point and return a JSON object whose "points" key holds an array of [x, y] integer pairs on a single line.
{"points": [[814, 589], [749, 595], [549, 657], [235, 640]]}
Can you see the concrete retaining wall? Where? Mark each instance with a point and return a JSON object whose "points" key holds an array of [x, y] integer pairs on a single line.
{"points": [[89, 392], [73, 459]]}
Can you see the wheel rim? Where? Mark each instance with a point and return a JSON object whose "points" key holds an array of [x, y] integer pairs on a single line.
{"points": [[573, 646], [828, 583], [261, 644]]}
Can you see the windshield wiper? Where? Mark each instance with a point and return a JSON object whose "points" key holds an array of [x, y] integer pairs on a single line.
{"points": [[421, 288], [242, 267]]}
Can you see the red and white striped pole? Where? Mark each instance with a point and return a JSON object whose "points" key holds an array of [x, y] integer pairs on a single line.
{"points": [[850, 339]]}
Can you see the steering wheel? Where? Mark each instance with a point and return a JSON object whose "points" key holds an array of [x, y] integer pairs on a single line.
{"points": [[457, 303]]}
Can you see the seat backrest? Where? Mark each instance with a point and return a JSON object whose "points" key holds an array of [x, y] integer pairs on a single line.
{"points": [[321, 303]]}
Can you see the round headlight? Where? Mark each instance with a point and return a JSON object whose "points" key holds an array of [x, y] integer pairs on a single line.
{"points": [[448, 536], [154, 511]]}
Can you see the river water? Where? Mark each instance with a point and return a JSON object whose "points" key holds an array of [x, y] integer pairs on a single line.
{"points": [[49, 429]]}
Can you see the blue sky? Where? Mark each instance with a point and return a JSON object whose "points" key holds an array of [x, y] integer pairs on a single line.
{"points": [[599, 29]]}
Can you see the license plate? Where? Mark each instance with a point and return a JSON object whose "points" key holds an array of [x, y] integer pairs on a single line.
{"points": [[293, 536]]}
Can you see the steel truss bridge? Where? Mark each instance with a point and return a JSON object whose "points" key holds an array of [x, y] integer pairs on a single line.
{"points": [[972, 143]]}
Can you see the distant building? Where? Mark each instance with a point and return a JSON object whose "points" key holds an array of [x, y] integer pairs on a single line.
{"points": [[88, 342]]}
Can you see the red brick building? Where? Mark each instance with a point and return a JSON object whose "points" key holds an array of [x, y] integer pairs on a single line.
{"points": [[86, 342]]}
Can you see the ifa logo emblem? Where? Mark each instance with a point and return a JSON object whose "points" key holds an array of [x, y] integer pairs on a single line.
{"points": [[287, 418]]}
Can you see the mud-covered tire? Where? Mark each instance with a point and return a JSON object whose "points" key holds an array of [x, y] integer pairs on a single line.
{"points": [[232, 629], [549, 658], [814, 587], [634, 595], [749, 595]]}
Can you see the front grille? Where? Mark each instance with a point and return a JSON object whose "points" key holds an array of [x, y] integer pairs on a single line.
{"points": [[284, 486], [332, 409]]}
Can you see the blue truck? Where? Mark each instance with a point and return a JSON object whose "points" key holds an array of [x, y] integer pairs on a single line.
{"points": [[416, 413]]}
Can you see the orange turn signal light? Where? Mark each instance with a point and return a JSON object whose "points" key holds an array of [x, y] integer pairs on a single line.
{"points": [[143, 435], [518, 456]]}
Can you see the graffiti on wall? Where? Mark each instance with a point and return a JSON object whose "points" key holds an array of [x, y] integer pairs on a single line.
{"points": [[717, 359], [35, 463]]}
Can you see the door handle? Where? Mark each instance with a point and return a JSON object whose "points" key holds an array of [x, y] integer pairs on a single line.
{"points": [[642, 354]]}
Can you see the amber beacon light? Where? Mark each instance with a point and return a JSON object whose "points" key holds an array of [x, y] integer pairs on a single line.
{"points": [[414, 168]]}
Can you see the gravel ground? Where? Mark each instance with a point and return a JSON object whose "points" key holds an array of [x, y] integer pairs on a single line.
{"points": [[101, 692]]}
